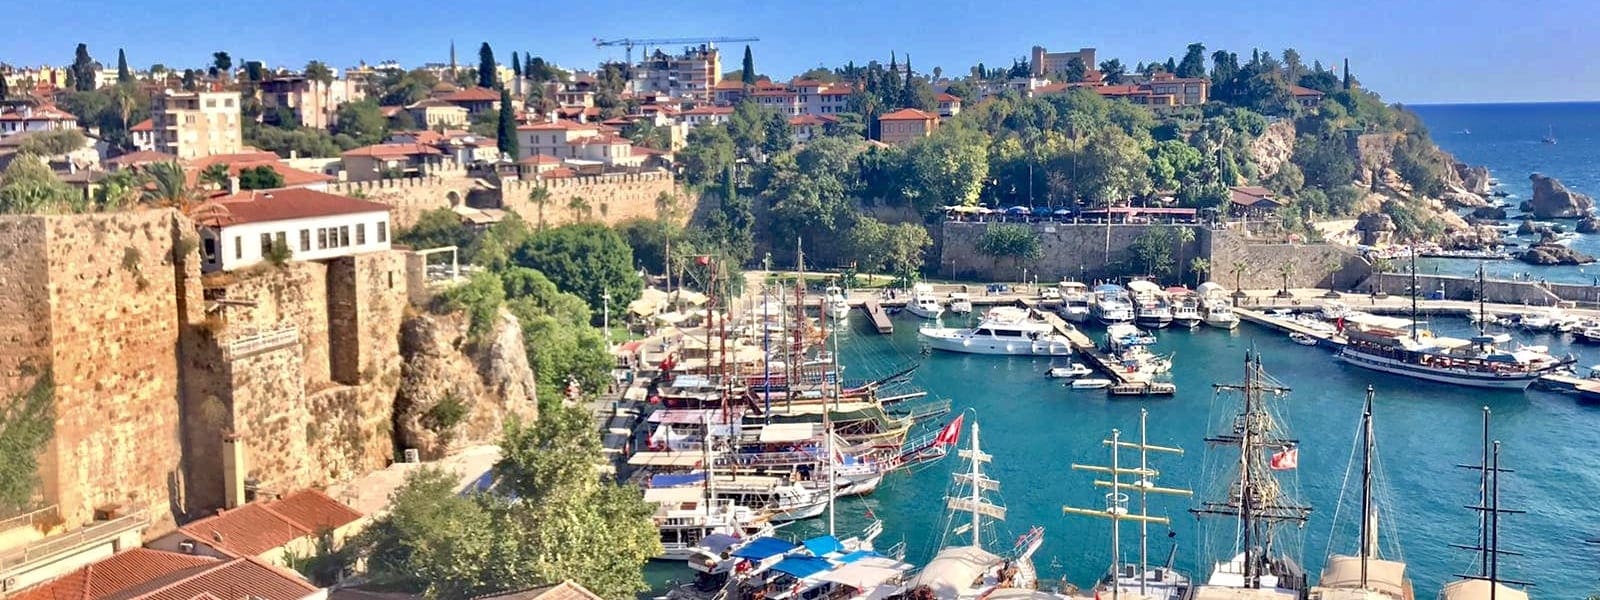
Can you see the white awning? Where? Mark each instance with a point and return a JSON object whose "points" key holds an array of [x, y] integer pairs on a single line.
{"points": [[789, 432], [1384, 576], [666, 459], [674, 495], [1478, 589], [867, 572], [954, 570], [1139, 286]]}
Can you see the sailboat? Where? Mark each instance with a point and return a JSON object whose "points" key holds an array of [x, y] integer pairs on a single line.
{"points": [[1487, 584], [1365, 576], [1550, 136], [1134, 580], [1256, 499], [971, 571]]}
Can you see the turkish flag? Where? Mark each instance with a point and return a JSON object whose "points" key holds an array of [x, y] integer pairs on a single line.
{"points": [[951, 433], [1286, 460], [702, 260]]}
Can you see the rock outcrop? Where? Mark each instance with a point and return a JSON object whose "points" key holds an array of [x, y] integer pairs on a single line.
{"points": [[1488, 213], [1551, 200], [1474, 179], [1375, 227], [1273, 148], [1554, 254], [1478, 237], [1589, 224], [454, 390]]}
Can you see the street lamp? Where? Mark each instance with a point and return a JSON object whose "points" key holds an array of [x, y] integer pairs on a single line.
{"points": [[605, 317]]}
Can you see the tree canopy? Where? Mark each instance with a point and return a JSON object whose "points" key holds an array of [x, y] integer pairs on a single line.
{"points": [[586, 259]]}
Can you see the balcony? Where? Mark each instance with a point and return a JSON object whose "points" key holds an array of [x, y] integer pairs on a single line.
{"points": [[20, 559]]}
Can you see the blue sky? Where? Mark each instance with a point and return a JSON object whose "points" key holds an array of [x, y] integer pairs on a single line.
{"points": [[1410, 51]]}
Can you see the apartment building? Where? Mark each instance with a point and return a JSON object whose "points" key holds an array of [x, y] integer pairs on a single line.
{"points": [[1045, 63], [196, 124], [692, 75], [579, 144], [314, 104], [29, 118]]}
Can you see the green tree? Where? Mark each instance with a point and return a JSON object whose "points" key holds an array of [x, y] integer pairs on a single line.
{"points": [[1113, 71], [649, 239], [488, 75], [506, 129], [169, 186], [1194, 62], [586, 259], [1076, 70], [1238, 269], [123, 74], [709, 151], [516, 65], [539, 197], [1200, 267], [83, 69], [363, 121], [216, 175], [948, 168], [434, 229], [1181, 236], [260, 177], [4, 90], [222, 65], [1153, 250], [28, 186], [50, 144], [1011, 241], [189, 81], [1286, 270], [748, 72]]}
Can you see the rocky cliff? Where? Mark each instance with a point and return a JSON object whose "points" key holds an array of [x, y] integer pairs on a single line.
{"points": [[454, 390], [1273, 148], [1552, 200]]}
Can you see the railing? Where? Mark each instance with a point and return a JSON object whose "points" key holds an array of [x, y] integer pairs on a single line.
{"points": [[52, 546], [48, 514], [257, 343]]}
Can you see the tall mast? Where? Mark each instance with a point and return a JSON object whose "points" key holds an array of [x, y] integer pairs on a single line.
{"points": [[1116, 508], [1414, 290], [1246, 479], [977, 488], [1482, 322], [827, 429], [1494, 523], [1483, 500], [1367, 537], [766, 355], [1114, 504], [1489, 511]]}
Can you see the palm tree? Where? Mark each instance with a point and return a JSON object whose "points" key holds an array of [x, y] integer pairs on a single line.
{"points": [[1285, 270], [217, 175], [1199, 266], [169, 186], [1183, 235], [579, 207], [1238, 269], [540, 197]]}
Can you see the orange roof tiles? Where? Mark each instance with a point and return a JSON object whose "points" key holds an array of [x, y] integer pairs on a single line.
{"points": [[566, 590], [145, 125], [539, 159], [810, 119], [1296, 90], [247, 160], [118, 572], [236, 579], [46, 112], [946, 97], [391, 151], [909, 114], [314, 510], [472, 94], [248, 528], [708, 110], [142, 157], [557, 125]]}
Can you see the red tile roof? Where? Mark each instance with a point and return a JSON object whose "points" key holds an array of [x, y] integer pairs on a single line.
{"points": [[145, 125], [566, 590], [729, 84], [708, 110], [1297, 91], [142, 157], [643, 151], [41, 113], [810, 119], [947, 97], [392, 151], [842, 90], [314, 510], [559, 173], [247, 160], [539, 159], [472, 94], [118, 572], [236, 579], [557, 125], [262, 206], [909, 114], [808, 83]]}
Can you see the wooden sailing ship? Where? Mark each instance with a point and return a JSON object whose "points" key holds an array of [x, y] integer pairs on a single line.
{"points": [[1366, 575], [1487, 583]]}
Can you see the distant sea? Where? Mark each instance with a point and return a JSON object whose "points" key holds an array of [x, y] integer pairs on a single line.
{"points": [[1508, 139]]}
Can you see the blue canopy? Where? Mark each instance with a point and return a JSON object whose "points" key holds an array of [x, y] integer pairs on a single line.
{"points": [[854, 556], [763, 548], [666, 480], [802, 567], [823, 544]]}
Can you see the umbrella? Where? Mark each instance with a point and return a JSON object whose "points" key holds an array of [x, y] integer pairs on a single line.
{"points": [[1019, 210], [1062, 211]]}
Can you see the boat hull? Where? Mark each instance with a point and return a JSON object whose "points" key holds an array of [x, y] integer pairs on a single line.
{"points": [[797, 513], [1231, 323], [1153, 321], [979, 345], [925, 313], [1394, 367]]}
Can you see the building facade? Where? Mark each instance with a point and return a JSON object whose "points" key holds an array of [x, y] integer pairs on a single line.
{"points": [[906, 125], [1044, 63], [196, 124], [241, 230], [692, 75], [27, 118], [313, 103]]}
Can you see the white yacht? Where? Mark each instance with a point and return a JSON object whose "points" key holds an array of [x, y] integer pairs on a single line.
{"points": [[1111, 304], [1003, 330], [1074, 302], [1186, 312], [923, 303], [837, 306], [785, 500], [960, 303], [1218, 314]]}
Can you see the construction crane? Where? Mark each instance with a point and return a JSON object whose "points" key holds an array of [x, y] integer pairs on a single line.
{"points": [[628, 43]]}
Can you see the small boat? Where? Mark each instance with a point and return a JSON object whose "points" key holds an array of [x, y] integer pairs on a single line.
{"points": [[960, 303], [1069, 372], [1111, 304], [1589, 335], [923, 303], [1149, 388], [1550, 137], [1186, 312], [838, 307], [1075, 301], [1219, 314], [1091, 384], [1303, 339]]}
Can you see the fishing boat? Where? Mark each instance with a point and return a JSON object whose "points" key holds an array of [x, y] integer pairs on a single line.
{"points": [[1134, 580], [1475, 362], [972, 570], [1075, 299], [837, 306], [960, 303], [923, 303], [1366, 574], [1186, 312], [1069, 372], [1003, 330], [1254, 499], [1550, 135], [1303, 339], [1111, 304], [1091, 384], [1487, 583]]}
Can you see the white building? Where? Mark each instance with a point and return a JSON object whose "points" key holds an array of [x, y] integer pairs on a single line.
{"points": [[705, 115], [240, 230], [28, 118], [196, 124]]}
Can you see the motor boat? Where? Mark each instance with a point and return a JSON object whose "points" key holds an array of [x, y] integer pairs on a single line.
{"points": [[1333, 311], [1111, 304], [960, 303], [923, 303], [1589, 335], [1218, 314], [1070, 372], [1075, 301], [1150, 308], [1003, 330], [1303, 339], [1186, 312], [1091, 384], [838, 308]]}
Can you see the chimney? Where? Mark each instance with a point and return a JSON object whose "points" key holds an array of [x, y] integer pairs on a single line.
{"points": [[293, 154], [233, 185]]}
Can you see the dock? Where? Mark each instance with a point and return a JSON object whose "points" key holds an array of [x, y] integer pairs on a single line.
{"points": [[1091, 355], [1324, 339], [879, 316]]}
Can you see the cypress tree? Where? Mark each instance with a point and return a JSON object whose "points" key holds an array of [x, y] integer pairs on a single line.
{"points": [[82, 69], [527, 65], [4, 90], [516, 65], [123, 75], [506, 132], [749, 73], [486, 72], [1171, 66], [188, 80], [1347, 73]]}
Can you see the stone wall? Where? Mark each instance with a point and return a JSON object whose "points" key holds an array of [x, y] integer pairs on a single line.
{"points": [[1466, 288], [609, 199], [101, 302], [1314, 265], [409, 197]]}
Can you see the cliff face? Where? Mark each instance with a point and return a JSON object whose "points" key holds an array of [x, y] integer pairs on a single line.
{"points": [[455, 391], [1273, 148]]}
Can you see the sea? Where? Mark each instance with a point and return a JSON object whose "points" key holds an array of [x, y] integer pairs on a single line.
{"points": [[1036, 427], [1509, 140]]}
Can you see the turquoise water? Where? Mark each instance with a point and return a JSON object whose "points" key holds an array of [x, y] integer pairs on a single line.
{"points": [[1506, 138], [1036, 427]]}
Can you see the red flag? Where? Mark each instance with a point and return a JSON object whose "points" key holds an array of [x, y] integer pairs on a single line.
{"points": [[951, 434], [1286, 460], [702, 260]]}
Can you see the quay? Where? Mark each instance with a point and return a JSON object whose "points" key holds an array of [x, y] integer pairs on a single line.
{"points": [[1125, 383], [879, 316]]}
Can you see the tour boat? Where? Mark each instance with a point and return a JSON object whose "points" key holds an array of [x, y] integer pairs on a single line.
{"points": [[1075, 300], [1069, 372], [1111, 304], [1150, 310], [686, 518], [1256, 506], [960, 303], [1134, 580], [838, 307], [1303, 339], [785, 500], [1588, 334], [1186, 312], [1217, 313], [1091, 384], [923, 303], [983, 566], [1366, 574], [1475, 362], [1003, 330]]}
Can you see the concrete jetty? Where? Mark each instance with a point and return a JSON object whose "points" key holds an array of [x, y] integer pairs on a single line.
{"points": [[879, 316]]}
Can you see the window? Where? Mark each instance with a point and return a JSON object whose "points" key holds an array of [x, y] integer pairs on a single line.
{"points": [[283, 240], [305, 240], [344, 236], [383, 231], [322, 238], [266, 244], [361, 234], [227, 102], [211, 103], [210, 249], [238, 246]]}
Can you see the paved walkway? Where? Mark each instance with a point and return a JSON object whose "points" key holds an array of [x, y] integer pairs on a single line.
{"points": [[370, 493]]}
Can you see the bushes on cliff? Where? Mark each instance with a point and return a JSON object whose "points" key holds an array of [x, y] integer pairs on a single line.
{"points": [[548, 517], [27, 422]]}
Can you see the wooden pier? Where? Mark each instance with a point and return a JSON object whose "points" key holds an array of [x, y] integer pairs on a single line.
{"points": [[1324, 339], [1091, 354], [879, 316]]}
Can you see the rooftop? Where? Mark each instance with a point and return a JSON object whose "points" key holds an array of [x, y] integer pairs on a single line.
{"points": [[391, 151], [557, 125], [472, 94], [261, 206], [909, 114], [144, 574]]}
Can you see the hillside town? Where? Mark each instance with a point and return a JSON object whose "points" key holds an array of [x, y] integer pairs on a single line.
{"points": [[492, 327]]}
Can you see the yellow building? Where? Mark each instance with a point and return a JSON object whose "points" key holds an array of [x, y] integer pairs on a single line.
{"points": [[906, 125], [196, 124]]}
